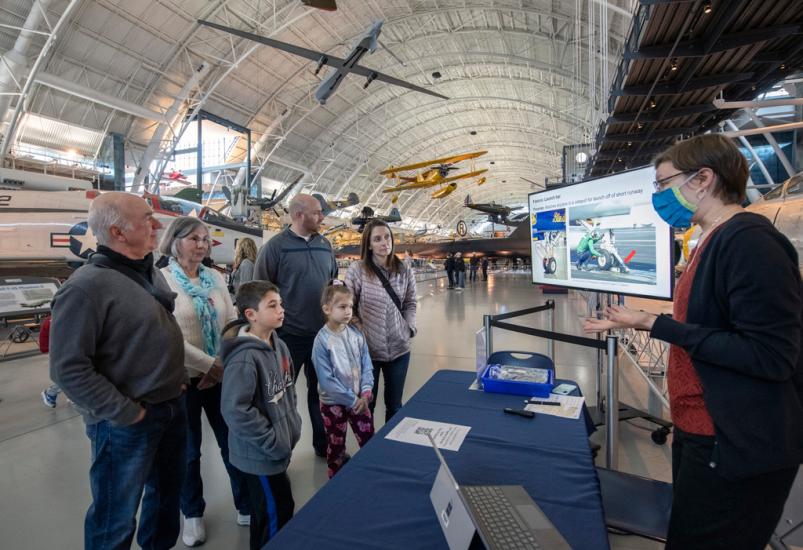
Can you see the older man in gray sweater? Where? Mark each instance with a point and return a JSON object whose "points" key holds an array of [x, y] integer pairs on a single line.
{"points": [[118, 354]]}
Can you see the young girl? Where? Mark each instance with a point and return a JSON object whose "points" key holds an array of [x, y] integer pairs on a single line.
{"points": [[345, 375]]}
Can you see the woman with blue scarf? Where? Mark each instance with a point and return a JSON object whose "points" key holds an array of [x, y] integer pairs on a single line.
{"points": [[203, 308]]}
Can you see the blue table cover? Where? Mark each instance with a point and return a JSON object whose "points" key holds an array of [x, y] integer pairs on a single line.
{"points": [[380, 499]]}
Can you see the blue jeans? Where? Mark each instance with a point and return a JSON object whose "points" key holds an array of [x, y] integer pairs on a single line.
{"points": [[394, 372], [300, 347], [192, 491], [583, 259], [460, 277], [127, 460]]}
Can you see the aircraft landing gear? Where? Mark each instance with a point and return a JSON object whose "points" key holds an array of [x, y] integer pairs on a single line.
{"points": [[604, 260], [550, 265]]}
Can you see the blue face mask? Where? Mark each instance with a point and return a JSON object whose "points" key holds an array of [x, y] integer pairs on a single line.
{"points": [[673, 207]]}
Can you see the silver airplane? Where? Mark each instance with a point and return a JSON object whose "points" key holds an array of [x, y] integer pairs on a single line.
{"points": [[783, 206], [367, 44]]}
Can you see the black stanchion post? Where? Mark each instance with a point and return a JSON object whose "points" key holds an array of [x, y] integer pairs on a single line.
{"points": [[550, 343], [612, 405], [598, 373], [486, 321]]}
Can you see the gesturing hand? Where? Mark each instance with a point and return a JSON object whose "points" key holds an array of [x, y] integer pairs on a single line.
{"points": [[620, 317]]}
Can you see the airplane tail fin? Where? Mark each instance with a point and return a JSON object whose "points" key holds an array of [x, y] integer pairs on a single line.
{"points": [[395, 215], [468, 200], [352, 199]]}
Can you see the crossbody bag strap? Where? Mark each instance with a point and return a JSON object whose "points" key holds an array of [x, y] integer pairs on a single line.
{"points": [[105, 261], [389, 289]]}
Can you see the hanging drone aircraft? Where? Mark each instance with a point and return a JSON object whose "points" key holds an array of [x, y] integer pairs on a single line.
{"points": [[437, 173], [366, 44]]}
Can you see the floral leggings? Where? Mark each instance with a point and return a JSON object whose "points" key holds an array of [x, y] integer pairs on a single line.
{"points": [[335, 418]]}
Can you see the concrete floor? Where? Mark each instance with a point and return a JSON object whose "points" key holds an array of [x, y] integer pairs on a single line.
{"points": [[44, 454]]}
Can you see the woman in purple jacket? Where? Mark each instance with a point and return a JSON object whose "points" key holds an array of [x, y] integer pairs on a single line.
{"points": [[385, 308]]}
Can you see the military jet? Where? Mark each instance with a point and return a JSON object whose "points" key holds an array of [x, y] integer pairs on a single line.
{"points": [[497, 213], [337, 204], [366, 44], [46, 233], [367, 215]]}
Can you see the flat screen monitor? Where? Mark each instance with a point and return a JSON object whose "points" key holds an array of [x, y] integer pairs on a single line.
{"points": [[602, 235]]}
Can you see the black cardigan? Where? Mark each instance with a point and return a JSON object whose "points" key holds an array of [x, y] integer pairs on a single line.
{"points": [[744, 334]]}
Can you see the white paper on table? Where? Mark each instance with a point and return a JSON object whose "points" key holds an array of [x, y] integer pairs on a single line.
{"points": [[414, 430], [570, 406]]}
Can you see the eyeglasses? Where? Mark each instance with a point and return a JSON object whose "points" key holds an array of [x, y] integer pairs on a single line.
{"points": [[658, 183], [196, 240]]}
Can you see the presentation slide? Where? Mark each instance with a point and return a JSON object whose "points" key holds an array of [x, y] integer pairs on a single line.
{"points": [[602, 235]]}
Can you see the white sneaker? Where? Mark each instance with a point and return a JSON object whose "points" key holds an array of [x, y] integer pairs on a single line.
{"points": [[243, 520], [194, 532]]}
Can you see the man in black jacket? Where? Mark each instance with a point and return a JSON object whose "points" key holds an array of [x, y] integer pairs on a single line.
{"points": [[448, 265], [118, 354]]}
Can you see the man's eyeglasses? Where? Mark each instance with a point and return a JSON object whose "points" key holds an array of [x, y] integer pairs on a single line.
{"points": [[658, 183]]}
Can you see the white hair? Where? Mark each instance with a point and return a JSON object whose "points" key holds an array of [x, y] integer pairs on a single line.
{"points": [[102, 216], [180, 228]]}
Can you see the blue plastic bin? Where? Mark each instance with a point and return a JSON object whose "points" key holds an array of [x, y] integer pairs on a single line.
{"points": [[520, 359]]}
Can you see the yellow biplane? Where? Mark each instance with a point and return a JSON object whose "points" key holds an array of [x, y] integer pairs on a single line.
{"points": [[437, 173]]}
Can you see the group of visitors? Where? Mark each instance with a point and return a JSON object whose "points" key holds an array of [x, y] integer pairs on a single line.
{"points": [[143, 352], [455, 266]]}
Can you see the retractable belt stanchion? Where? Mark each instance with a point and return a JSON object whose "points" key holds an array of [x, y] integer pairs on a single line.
{"points": [[486, 321], [550, 345], [612, 410]]}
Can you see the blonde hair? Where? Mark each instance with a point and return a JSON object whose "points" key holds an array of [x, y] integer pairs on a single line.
{"points": [[246, 249]]}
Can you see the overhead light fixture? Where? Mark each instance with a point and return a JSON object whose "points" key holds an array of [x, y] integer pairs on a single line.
{"points": [[783, 66], [640, 125], [473, 132], [629, 143], [492, 162], [653, 104], [436, 74], [707, 8], [674, 65]]}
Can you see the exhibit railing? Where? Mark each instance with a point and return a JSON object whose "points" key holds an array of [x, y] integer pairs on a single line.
{"points": [[610, 345]]}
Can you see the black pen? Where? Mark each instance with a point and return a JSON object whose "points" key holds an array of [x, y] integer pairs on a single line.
{"points": [[552, 403]]}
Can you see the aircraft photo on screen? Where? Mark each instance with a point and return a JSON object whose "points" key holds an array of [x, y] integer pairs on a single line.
{"points": [[602, 235], [612, 244]]}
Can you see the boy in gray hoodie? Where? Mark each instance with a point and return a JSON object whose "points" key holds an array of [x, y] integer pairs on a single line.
{"points": [[258, 403]]}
